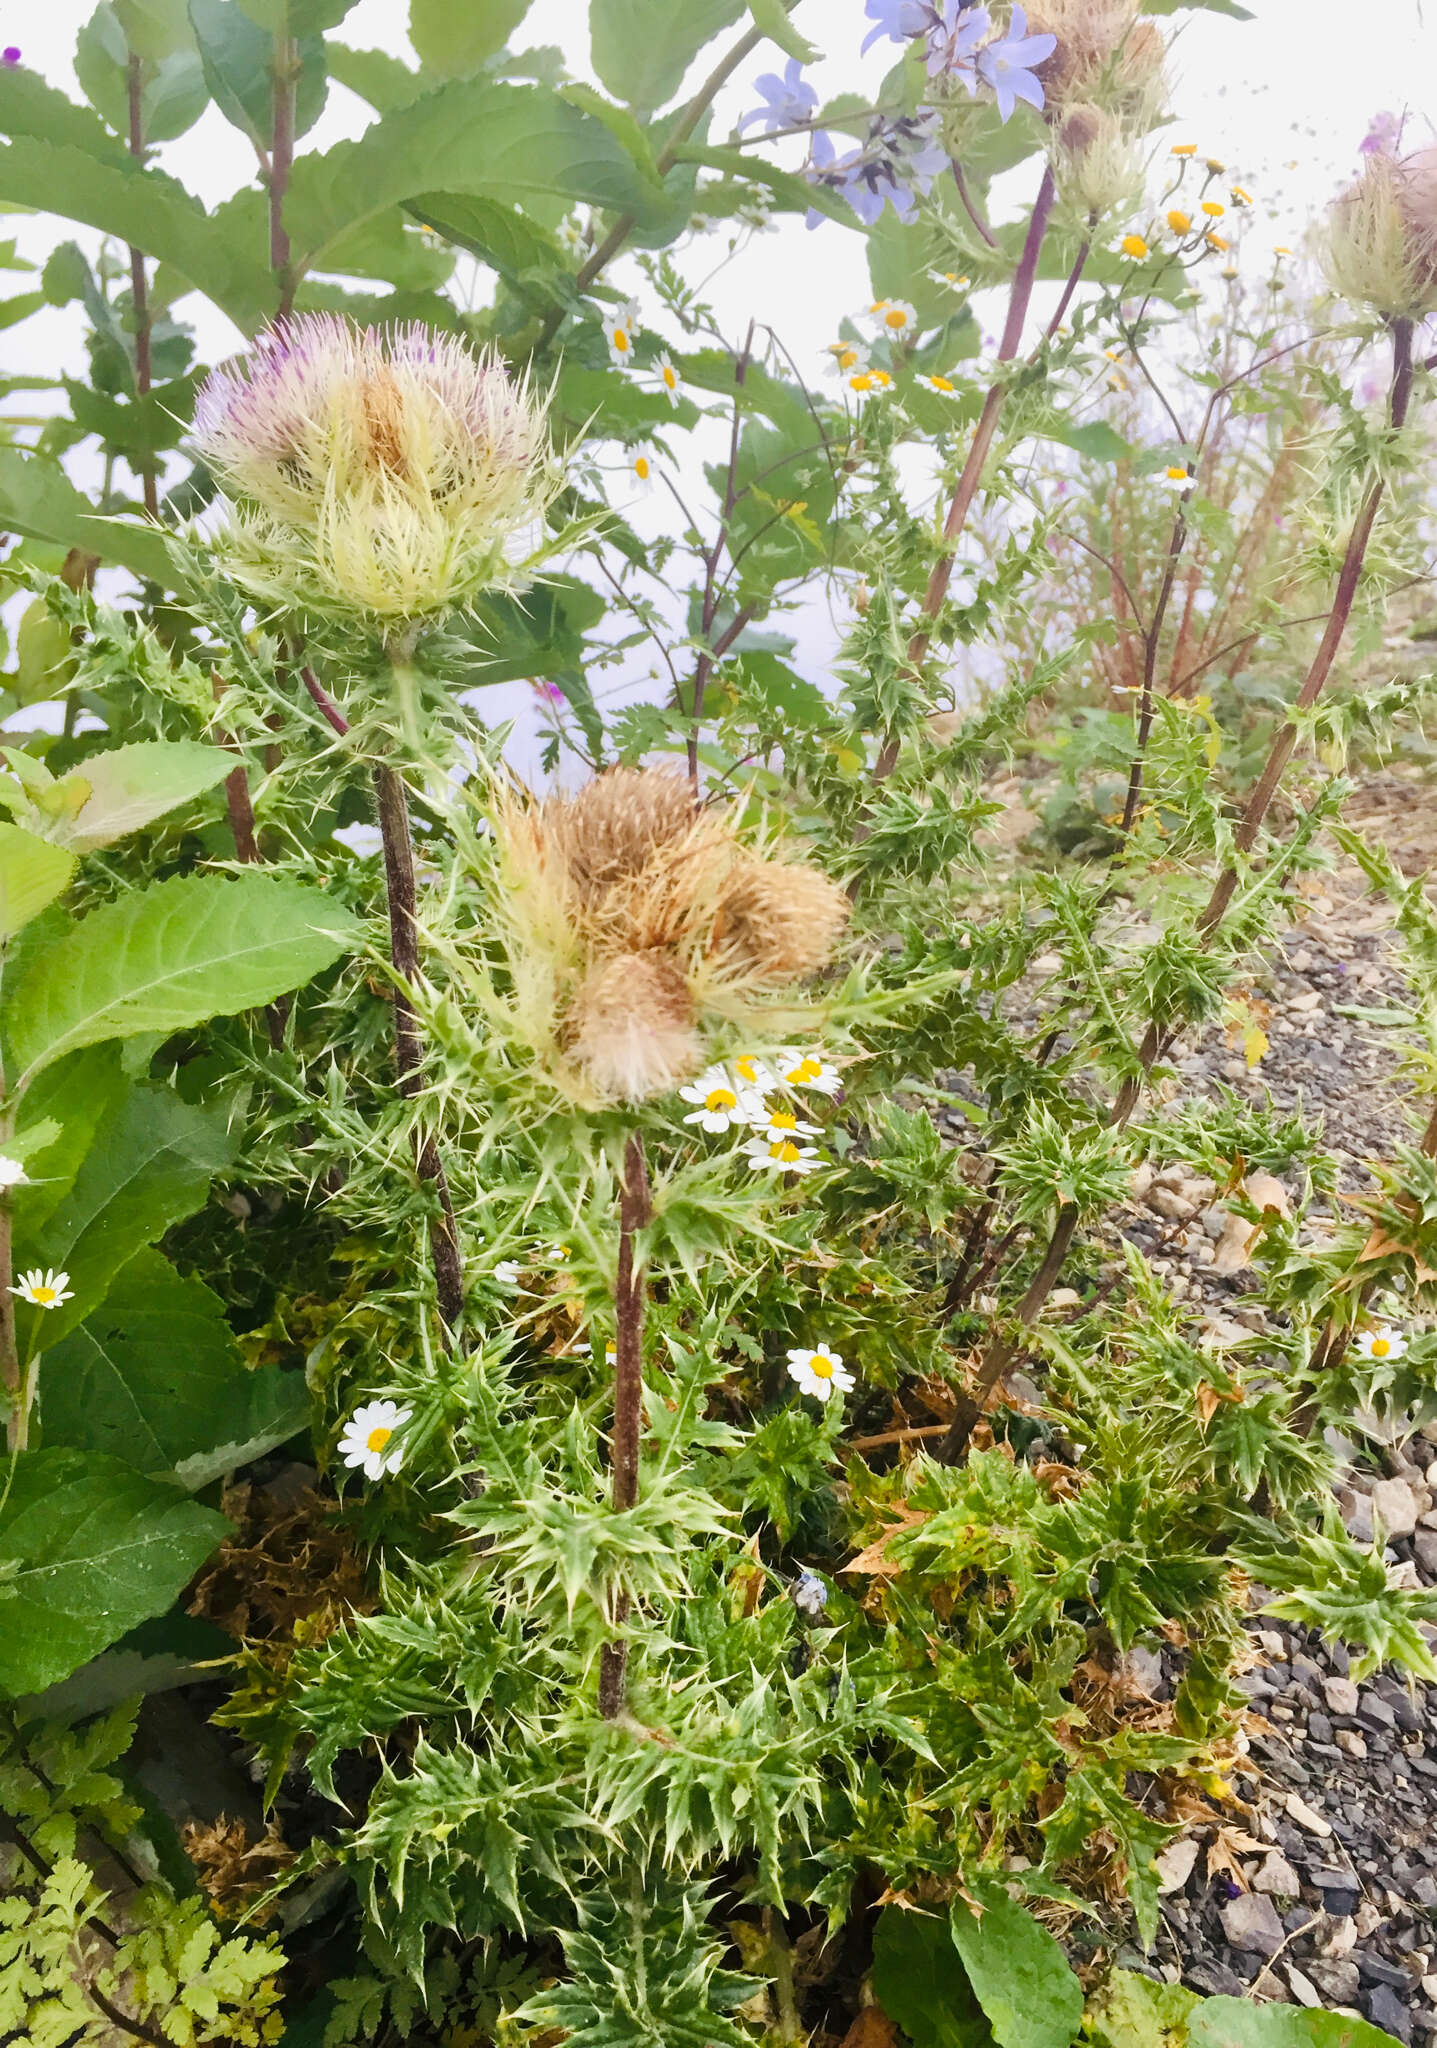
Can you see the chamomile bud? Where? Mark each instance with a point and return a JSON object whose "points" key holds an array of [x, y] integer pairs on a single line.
{"points": [[384, 473]]}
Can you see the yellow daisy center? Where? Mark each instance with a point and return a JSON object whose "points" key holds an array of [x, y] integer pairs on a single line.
{"points": [[45, 1296], [1179, 222], [377, 1438], [1175, 473], [784, 1149], [782, 1120], [847, 357], [1381, 1346], [806, 1070], [747, 1069], [720, 1098], [941, 383], [1133, 245], [1213, 209], [880, 378], [1184, 149], [862, 382], [641, 469], [895, 317], [621, 339], [879, 306], [1217, 242], [820, 1367], [671, 377]]}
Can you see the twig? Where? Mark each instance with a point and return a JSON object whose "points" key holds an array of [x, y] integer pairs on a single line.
{"points": [[635, 1210], [1151, 638], [1080, 264], [897, 1436], [970, 206]]}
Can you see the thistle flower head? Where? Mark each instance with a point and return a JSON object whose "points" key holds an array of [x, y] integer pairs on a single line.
{"points": [[1106, 56], [1380, 247], [633, 919], [1096, 161], [380, 472]]}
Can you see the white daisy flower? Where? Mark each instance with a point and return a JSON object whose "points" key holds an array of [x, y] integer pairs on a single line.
{"points": [[508, 1272], [619, 331], [781, 1155], [668, 377], [754, 1073], [846, 358], [43, 1290], [782, 1123], [808, 1070], [820, 1372], [365, 1440], [1382, 1344], [722, 1103], [570, 235], [12, 1173], [870, 383], [641, 467], [893, 317], [1176, 477], [951, 277], [944, 386], [1136, 248]]}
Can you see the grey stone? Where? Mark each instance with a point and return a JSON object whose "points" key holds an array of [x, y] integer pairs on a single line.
{"points": [[1385, 2009], [1277, 1877], [1341, 1695], [1251, 1922], [1304, 1991], [1397, 1506], [1424, 1549], [1338, 1979]]}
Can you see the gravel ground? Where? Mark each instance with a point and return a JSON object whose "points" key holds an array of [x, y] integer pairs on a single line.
{"points": [[1323, 1892]]}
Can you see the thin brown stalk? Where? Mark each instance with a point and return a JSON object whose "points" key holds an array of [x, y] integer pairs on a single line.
{"points": [[635, 1210], [334, 717], [1176, 543], [139, 287], [1065, 299], [1002, 1351], [12, 1378], [393, 809], [970, 206], [966, 489]]}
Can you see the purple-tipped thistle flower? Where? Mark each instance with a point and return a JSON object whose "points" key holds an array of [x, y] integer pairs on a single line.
{"points": [[1383, 135], [378, 472], [788, 102]]}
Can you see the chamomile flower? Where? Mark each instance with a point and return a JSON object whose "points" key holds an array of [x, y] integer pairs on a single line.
{"points": [[1176, 477], [722, 1104], [944, 386], [1218, 242], [509, 1273], [1238, 196], [820, 1372], [870, 383], [619, 332], [781, 1154], [849, 358], [668, 377], [1134, 247], [1382, 1345], [783, 1123], [754, 1073], [959, 282], [894, 317], [12, 1173], [1213, 208], [641, 467], [43, 1289], [808, 1070], [1178, 221], [570, 235], [366, 1437], [1183, 149]]}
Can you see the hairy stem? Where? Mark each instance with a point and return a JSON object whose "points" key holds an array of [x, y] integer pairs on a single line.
{"points": [[139, 288], [966, 490], [1150, 667], [635, 1209], [393, 808], [334, 717], [1002, 1351]]}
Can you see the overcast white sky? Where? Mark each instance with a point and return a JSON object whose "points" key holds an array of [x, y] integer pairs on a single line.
{"points": [[1283, 99]]}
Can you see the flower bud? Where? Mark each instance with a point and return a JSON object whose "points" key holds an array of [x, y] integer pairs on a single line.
{"points": [[1095, 162], [383, 473], [1106, 57], [1381, 241]]}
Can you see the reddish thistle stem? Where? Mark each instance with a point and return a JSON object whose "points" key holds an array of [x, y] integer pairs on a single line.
{"points": [[139, 287], [635, 1211]]}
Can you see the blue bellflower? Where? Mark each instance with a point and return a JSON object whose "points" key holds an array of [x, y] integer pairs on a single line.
{"points": [[898, 158], [898, 20], [788, 102], [954, 39], [1007, 64]]}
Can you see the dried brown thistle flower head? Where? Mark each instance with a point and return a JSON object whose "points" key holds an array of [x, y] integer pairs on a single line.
{"points": [[632, 916], [1381, 241], [1106, 56]]}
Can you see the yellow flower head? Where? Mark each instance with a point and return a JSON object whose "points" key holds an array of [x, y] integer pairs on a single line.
{"points": [[1239, 197], [1215, 241], [1133, 246], [1184, 149], [1179, 222], [1214, 209]]}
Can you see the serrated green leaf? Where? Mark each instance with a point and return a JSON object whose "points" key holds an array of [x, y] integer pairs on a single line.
{"points": [[1095, 439], [504, 237], [641, 49], [921, 1984], [88, 1548], [127, 787], [173, 94], [1131, 2011], [238, 59], [384, 82], [37, 498], [170, 956], [773, 18], [1234, 2023], [154, 1377], [32, 874]]}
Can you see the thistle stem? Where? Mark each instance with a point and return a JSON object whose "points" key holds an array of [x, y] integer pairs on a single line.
{"points": [[1019, 298], [139, 288], [393, 809], [630, 1286], [1002, 1350]]}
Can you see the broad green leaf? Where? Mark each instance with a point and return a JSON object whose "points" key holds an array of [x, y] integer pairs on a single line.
{"points": [[32, 874], [154, 1656], [1096, 439], [1131, 2011], [298, 18], [1019, 1974], [173, 94], [153, 29], [772, 17], [149, 1165], [452, 41], [238, 59], [139, 427], [117, 792], [30, 107], [154, 1377], [504, 237], [88, 1548], [385, 82], [37, 498], [641, 49], [172, 955], [76, 1094], [921, 1985], [1234, 2023], [510, 144], [44, 654]]}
